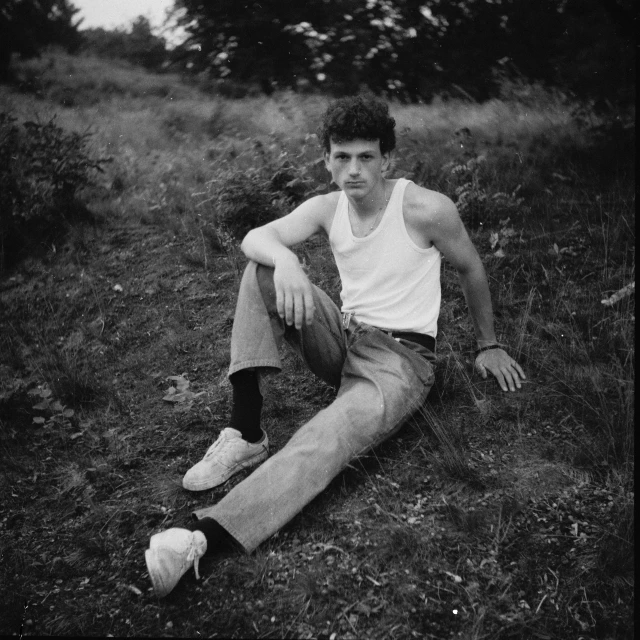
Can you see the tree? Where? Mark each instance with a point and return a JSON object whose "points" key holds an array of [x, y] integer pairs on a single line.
{"points": [[247, 41], [454, 47], [413, 49], [585, 46], [26, 26], [139, 45], [342, 44]]}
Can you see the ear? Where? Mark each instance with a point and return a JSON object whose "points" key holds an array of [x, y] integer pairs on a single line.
{"points": [[326, 156], [386, 160]]}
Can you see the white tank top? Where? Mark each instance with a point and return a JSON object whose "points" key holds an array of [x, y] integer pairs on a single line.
{"points": [[387, 280]]}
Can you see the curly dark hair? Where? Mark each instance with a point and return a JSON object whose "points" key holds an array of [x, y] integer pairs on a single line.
{"points": [[358, 117]]}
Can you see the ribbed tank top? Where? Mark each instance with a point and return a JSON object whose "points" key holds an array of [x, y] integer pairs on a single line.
{"points": [[387, 280]]}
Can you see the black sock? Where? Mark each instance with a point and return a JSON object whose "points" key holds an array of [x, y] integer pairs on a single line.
{"points": [[218, 538], [247, 404]]}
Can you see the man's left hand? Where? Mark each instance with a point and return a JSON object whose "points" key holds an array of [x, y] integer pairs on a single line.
{"points": [[507, 371]]}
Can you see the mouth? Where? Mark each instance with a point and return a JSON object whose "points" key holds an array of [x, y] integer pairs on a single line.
{"points": [[354, 184]]}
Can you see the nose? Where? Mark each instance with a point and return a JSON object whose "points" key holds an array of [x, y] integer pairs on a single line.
{"points": [[354, 167]]}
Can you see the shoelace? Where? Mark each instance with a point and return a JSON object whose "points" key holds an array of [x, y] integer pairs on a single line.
{"points": [[218, 444], [194, 556]]}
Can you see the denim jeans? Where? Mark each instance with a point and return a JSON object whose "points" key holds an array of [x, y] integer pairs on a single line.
{"points": [[381, 382]]}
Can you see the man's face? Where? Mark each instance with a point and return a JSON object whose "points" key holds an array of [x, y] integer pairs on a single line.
{"points": [[356, 166]]}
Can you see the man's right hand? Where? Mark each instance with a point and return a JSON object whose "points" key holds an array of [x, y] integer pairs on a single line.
{"points": [[294, 295]]}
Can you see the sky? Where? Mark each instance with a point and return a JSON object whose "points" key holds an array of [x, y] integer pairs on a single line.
{"points": [[109, 14]]}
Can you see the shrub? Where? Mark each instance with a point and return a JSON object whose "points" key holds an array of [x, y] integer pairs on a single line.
{"points": [[245, 199], [477, 202], [41, 170]]}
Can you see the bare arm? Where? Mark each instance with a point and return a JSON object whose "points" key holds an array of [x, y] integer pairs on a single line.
{"points": [[449, 235], [473, 281], [270, 242], [269, 245]]}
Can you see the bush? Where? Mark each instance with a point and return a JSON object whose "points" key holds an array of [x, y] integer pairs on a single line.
{"points": [[41, 170], [477, 202], [245, 199]]}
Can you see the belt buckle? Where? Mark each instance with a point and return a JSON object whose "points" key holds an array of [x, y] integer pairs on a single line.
{"points": [[346, 319]]}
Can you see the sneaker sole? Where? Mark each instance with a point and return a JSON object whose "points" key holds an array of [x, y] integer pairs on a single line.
{"points": [[250, 462]]}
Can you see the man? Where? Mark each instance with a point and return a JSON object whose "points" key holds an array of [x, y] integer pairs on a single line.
{"points": [[387, 237]]}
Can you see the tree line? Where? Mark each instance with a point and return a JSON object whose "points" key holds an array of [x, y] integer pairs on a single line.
{"points": [[414, 49], [26, 26], [408, 49]]}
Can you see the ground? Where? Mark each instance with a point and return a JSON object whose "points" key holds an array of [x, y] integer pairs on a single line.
{"points": [[490, 515]]}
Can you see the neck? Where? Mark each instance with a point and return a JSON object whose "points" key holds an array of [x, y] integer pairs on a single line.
{"points": [[371, 204]]}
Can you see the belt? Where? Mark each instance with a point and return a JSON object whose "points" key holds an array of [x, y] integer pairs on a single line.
{"points": [[423, 339]]}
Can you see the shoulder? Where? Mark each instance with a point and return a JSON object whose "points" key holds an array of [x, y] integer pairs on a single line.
{"points": [[322, 208], [312, 216], [322, 203], [433, 218], [328, 200], [424, 208]]}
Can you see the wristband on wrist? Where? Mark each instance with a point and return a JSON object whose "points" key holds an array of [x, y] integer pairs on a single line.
{"points": [[491, 346]]}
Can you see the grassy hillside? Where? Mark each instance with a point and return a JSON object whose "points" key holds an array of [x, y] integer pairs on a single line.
{"points": [[490, 515]]}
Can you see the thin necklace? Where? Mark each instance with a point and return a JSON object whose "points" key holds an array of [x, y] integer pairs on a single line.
{"points": [[380, 210]]}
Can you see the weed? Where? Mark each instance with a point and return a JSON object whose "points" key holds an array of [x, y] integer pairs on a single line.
{"points": [[55, 412], [616, 550], [71, 378], [469, 521], [450, 457], [477, 203], [245, 198]]}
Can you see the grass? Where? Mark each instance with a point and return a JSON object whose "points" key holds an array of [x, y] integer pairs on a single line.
{"points": [[490, 515]]}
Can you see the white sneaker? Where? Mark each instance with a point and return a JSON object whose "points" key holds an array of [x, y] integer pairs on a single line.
{"points": [[226, 456], [170, 555]]}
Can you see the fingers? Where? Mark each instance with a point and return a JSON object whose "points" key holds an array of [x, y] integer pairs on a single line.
{"points": [[481, 370], [511, 381], [518, 368], [309, 307], [497, 372], [294, 294], [298, 311], [295, 308], [511, 374], [304, 309], [505, 376], [501, 381], [280, 307], [507, 371], [285, 305]]}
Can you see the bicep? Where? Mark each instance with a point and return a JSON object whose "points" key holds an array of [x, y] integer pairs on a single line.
{"points": [[452, 240]]}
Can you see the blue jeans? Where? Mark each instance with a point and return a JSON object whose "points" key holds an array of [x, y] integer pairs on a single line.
{"points": [[381, 382]]}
